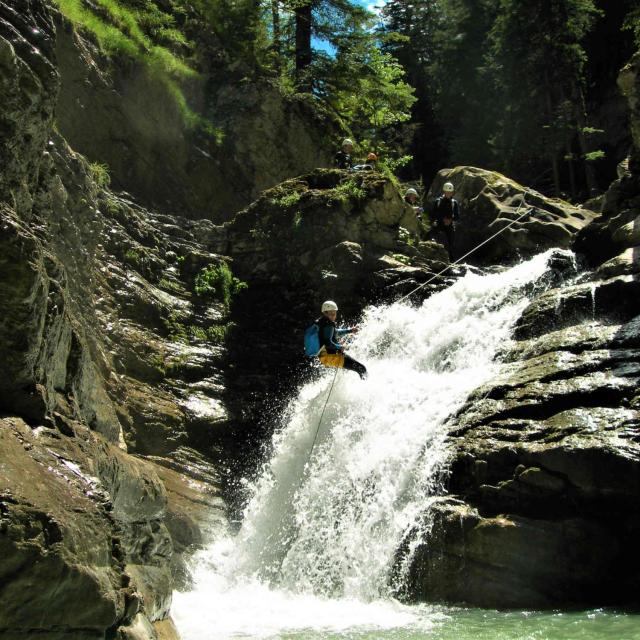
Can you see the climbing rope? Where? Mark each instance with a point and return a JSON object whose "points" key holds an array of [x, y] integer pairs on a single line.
{"points": [[326, 402], [436, 275]]}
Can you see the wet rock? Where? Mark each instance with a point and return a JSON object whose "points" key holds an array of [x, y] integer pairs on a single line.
{"points": [[196, 511], [507, 560], [545, 458], [92, 314], [72, 509]]}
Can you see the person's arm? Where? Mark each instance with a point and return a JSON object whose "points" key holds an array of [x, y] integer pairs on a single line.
{"points": [[433, 213], [344, 331], [456, 210]]}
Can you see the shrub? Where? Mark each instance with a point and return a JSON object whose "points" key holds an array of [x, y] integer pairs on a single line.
{"points": [[100, 174], [217, 281]]}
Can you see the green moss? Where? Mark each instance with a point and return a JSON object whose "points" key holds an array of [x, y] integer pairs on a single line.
{"points": [[170, 285], [287, 200], [216, 334], [400, 257], [349, 190], [216, 281], [176, 330], [135, 257]]}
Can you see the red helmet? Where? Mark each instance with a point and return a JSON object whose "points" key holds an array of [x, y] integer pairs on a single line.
{"points": [[372, 156]]}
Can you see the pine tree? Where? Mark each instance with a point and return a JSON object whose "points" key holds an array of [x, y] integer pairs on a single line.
{"points": [[537, 60]]}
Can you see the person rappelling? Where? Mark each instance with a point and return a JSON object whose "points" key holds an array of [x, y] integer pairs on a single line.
{"points": [[321, 340]]}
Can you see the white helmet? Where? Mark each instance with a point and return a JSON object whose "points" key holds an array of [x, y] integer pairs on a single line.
{"points": [[410, 192], [347, 141], [329, 305], [448, 187]]}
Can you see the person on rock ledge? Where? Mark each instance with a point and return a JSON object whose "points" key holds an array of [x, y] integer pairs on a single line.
{"points": [[343, 159], [331, 350], [411, 198], [444, 213]]}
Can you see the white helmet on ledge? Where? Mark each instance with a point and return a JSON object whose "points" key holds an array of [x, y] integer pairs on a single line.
{"points": [[448, 187], [329, 305]]}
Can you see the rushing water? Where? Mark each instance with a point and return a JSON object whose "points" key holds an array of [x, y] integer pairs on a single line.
{"points": [[315, 552]]}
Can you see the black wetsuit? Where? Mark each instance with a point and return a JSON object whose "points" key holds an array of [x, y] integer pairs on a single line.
{"points": [[343, 160], [445, 208], [328, 333]]}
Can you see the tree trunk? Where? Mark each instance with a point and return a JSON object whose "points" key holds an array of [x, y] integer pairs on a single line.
{"points": [[303, 43], [580, 110], [277, 34], [553, 155], [572, 171]]}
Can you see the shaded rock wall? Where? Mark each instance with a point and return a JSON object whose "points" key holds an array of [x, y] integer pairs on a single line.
{"points": [[102, 354], [115, 112]]}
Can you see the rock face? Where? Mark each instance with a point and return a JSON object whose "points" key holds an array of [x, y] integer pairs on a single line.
{"points": [[84, 548], [99, 310], [545, 459], [490, 201], [122, 116]]}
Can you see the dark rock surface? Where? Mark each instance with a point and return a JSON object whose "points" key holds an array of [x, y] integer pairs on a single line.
{"points": [[101, 340]]}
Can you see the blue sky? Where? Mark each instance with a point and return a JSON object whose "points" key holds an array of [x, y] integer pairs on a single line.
{"points": [[373, 5]]}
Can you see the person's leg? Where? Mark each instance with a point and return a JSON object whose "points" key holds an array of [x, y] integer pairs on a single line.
{"points": [[354, 365], [451, 235]]}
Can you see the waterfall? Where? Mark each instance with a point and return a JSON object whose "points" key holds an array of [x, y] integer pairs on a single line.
{"points": [[322, 528]]}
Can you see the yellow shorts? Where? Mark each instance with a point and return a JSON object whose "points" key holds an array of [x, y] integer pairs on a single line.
{"points": [[332, 359]]}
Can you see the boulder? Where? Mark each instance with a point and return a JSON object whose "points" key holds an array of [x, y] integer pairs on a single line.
{"points": [[506, 561], [490, 201], [81, 527]]}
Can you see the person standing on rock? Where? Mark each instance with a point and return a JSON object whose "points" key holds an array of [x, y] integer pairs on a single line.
{"points": [[331, 352], [411, 198], [445, 212], [343, 159]]}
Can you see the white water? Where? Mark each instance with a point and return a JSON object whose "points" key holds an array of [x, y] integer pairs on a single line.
{"points": [[318, 539]]}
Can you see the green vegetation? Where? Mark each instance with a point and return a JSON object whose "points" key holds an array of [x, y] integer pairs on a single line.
{"points": [[511, 85], [288, 199], [141, 30], [170, 285], [135, 257], [400, 257], [187, 333], [632, 24], [100, 174], [215, 334], [349, 190], [216, 281]]}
